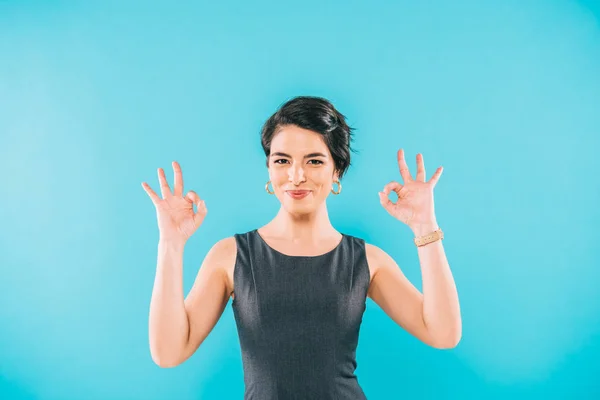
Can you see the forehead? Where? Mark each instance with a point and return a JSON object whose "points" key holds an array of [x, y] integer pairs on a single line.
{"points": [[293, 139]]}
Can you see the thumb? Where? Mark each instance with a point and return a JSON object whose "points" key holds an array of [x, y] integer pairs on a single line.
{"points": [[200, 207], [385, 201]]}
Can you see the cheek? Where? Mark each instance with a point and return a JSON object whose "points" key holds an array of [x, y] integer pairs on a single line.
{"points": [[279, 181], [277, 176], [320, 176]]}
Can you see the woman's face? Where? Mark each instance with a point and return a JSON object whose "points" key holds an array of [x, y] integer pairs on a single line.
{"points": [[300, 161]]}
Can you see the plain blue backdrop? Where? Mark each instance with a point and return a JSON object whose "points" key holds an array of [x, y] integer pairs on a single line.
{"points": [[95, 96]]}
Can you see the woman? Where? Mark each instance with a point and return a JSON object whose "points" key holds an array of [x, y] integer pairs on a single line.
{"points": [[298, 285]]}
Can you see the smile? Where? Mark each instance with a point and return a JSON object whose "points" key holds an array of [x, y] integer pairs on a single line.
{"points": [[298, 194]]}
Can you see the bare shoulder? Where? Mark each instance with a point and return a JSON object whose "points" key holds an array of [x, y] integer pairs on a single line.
{"points": [[224, 246], [374, 255], [224, 254], [380, 264]]}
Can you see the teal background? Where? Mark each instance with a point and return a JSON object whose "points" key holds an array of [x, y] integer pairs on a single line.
{"points": [[95, 96]]}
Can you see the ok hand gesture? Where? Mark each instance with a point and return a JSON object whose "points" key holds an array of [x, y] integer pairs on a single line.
{"points": [[177, 220]]}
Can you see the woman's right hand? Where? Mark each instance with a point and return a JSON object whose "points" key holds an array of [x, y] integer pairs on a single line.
{"points": [[175, 213]]}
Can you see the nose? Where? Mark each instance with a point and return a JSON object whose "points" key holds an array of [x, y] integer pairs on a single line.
{"points": [[296, 175]]}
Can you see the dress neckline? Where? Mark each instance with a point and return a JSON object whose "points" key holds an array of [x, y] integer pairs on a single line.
{"points": [[299, 256]]}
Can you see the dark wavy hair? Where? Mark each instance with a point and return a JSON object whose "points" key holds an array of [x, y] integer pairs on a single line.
{"points": [[318, 115]]}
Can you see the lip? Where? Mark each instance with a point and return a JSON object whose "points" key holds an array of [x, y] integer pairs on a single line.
{"points": [[298, 194]]}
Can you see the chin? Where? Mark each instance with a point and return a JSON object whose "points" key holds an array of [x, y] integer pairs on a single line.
{"points": [[298, 208]]}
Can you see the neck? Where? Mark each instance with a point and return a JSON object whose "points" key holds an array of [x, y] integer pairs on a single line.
{"points": [[302, 227]]}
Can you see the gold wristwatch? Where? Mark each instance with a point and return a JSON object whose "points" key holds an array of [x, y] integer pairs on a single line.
{"points": [[430, 238]]}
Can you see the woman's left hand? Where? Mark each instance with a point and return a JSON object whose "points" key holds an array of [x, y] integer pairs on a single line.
{"points": [[415, 205]]}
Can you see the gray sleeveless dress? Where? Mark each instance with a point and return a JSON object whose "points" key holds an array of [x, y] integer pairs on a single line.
{"points": [[298, 319]]}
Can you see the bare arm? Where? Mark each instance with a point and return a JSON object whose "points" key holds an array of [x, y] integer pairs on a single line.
{"points": [[209, 295], [396, 296], [432, 317], [178, 326], [168, 322]]}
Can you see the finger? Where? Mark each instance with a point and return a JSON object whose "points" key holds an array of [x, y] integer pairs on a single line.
{"points": [[153, 196], [178, 179], [201, 209], [404, 172], [164, 186], [385, 201], [192, 197], [420, 168], [436, 176], [392, 186]]}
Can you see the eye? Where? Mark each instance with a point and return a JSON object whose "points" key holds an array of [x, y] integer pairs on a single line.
{"points": [[282, 160]]}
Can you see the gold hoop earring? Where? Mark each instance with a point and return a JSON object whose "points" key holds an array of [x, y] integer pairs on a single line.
{"points": [[267, 188], [339, 188]]}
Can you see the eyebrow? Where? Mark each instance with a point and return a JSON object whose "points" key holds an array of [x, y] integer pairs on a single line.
{"points": [[306, 156]]}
